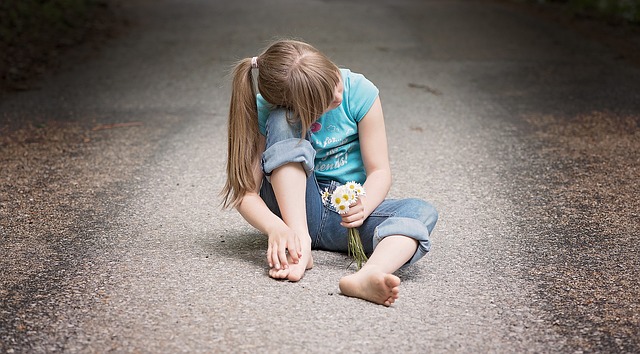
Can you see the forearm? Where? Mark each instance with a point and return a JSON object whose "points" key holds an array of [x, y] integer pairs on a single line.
{"points": [[257, 214], [376, 188], [373, 144]]}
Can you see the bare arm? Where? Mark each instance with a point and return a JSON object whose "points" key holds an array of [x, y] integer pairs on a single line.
{"points": [[375, 155], [254, 210]]}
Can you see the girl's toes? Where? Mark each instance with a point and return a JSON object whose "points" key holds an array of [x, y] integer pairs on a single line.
{"points": [[278, 273]]}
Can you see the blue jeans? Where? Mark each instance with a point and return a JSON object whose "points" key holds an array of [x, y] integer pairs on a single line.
{"points": [[413, 218]]}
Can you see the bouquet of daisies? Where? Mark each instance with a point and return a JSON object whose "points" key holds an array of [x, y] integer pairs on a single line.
{"points": [[342, 198]]}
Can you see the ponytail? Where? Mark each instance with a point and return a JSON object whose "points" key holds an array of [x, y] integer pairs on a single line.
{"points": [[242, 136], [293, 75]]}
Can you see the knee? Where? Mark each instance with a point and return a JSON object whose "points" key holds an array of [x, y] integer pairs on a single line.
{"points": [[278, 127], [288, 151], [284, 144], [423, 211]]}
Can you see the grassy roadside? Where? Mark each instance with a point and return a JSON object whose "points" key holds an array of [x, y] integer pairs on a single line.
{"points": [[35, 33]]}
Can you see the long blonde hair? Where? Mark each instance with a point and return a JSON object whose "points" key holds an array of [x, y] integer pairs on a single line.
{"points": [[291, 74]]}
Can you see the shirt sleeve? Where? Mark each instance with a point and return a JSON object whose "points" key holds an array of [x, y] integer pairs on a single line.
{"points": [[362, 94], [263, 113]]}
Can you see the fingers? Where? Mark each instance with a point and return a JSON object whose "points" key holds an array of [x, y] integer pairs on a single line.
{"points": [[277, 256], [269, 254], [299, 247], [353, 220], [294, 249], [355, 216], [272, 255], [282, 255], [284, 248]]}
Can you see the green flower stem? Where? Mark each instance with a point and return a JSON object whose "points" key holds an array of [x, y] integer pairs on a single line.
{"points": [[355, 249]]}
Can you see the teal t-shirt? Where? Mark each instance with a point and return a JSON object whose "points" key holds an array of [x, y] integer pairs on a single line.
{"points": [[335, 134]]}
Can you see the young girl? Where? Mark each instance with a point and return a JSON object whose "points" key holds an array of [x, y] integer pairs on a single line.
{"points": [[312, 127]]}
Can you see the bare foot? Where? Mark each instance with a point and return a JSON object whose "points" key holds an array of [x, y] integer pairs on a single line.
{"points": [[372, 285], [295, 271]]}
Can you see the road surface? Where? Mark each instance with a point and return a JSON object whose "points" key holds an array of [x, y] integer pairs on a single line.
{"points": [[523, 132]]}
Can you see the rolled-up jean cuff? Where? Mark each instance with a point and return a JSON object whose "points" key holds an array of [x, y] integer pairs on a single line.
{"points": [[408, 227], [287, 151]]}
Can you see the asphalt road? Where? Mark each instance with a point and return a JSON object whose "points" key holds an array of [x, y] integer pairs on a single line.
{"points": [[523, 132]]}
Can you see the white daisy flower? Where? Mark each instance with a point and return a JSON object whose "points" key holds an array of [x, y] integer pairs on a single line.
{"points": [[340, 201], [342, 208], [325, 196], [342, 198], [345, 193], [351, 186], [355, 188]]}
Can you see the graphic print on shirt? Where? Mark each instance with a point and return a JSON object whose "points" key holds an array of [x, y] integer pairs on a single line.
{"points": [[335, 147], [315, 127], [336, 129]]}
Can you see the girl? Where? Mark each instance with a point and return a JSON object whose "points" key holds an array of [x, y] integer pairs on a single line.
{"points": [[311, 127]]}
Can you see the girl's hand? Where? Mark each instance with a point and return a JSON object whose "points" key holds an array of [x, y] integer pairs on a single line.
{"points": [[281, 241], [355, 216]]}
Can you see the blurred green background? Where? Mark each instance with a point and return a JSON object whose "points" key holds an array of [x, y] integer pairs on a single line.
{"points": [[34, 32]]}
